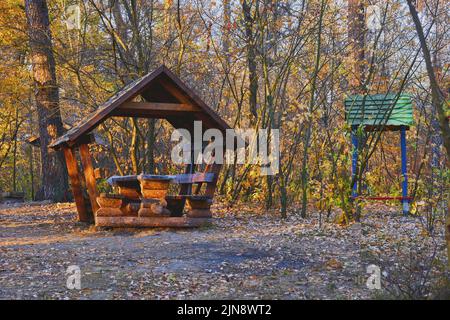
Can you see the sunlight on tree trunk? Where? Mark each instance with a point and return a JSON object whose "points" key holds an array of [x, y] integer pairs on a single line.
{"points": [[53, 171]]}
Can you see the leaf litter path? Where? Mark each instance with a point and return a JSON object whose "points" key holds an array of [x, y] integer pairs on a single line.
{"points": [[240, 256]]}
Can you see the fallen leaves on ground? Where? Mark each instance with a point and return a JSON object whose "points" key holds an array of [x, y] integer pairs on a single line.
{"points": [[246, 253]]}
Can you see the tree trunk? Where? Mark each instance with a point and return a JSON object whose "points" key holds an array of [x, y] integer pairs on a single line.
{"points": [[357, 40], [53, 171], [15, 152], [438, 100], [437, 96], [356, 35], [251, 60], [226, 31], [309, 122]]}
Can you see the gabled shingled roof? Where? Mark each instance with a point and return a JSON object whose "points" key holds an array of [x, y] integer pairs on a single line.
{"points": [[390, 110], [146, 86]]}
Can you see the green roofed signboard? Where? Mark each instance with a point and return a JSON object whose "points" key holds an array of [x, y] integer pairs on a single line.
{"points": [[379, 110]]}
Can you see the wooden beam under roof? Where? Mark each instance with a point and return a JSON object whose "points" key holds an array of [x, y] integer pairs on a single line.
{"points": [[138, 107], [172, 90]]}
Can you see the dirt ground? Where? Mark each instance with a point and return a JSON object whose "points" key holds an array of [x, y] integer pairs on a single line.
{"points": [[242, 255]]}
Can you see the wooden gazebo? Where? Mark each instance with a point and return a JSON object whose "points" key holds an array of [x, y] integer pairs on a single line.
{"points": [[165, 96]]}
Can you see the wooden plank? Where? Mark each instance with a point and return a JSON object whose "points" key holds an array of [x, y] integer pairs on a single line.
{"points": [[84, 214], [89, 176], [194, 177], [151, 114], [157, 106], [199, 213], [186, 188], [189, 196], [211, 187], [146, 222], [199, 186]]}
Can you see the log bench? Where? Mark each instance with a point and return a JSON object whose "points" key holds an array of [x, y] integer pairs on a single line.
{"points": [[110, 205], [199, 205], [12, 197]]}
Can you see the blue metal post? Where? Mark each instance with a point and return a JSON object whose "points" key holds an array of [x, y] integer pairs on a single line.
{"points": [[405, 202], [354, 161]]}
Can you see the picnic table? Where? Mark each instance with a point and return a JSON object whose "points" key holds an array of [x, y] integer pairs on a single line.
{"points": [[143, 200]]}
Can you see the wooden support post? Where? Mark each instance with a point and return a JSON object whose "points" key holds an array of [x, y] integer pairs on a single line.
{"points": [[211, 187], [354, 161], [405, 201], [72, 168], [89, 176], [187, 188], [190, 168]]}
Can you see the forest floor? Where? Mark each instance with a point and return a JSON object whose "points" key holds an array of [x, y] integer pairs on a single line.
{"points": [[242, 255]]}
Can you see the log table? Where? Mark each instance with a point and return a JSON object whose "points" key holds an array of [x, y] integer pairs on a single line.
{"points": [[130, 190], [129, 186], [143, 202], [154, 190]]}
